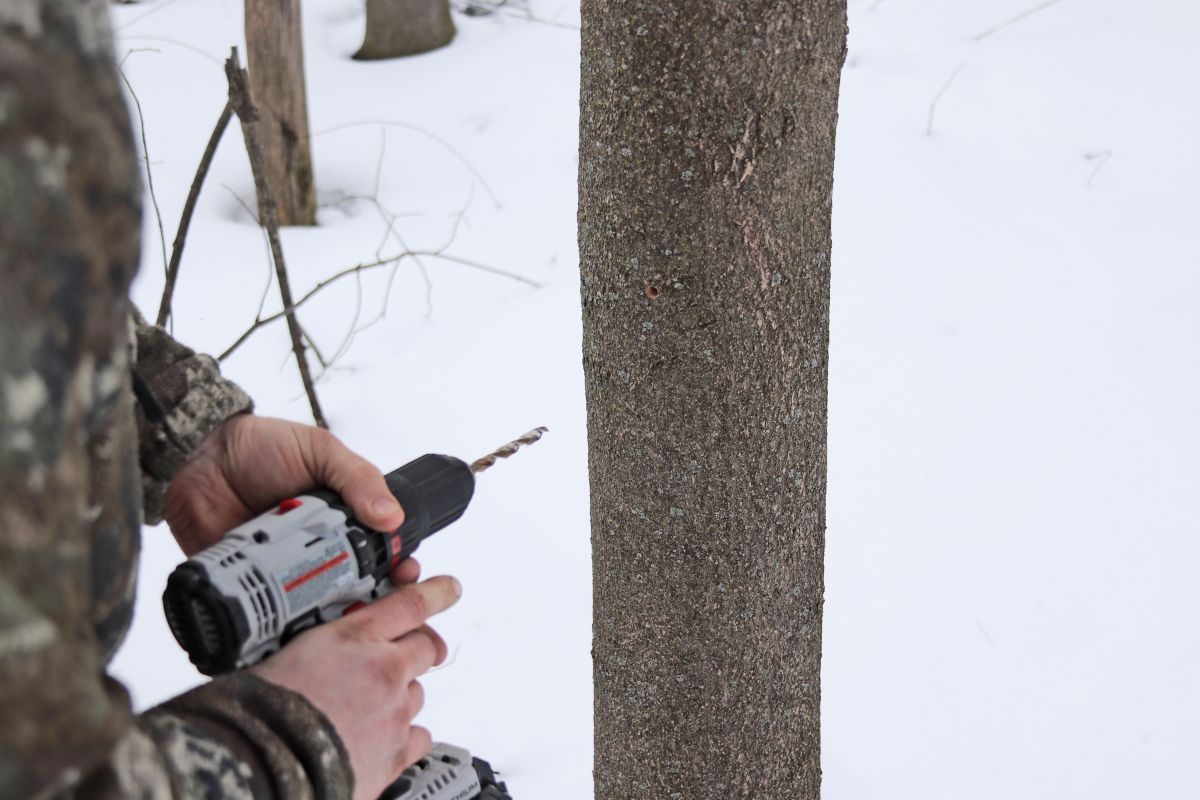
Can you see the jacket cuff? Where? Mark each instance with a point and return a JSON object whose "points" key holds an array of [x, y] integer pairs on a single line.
{"points": [[181, 399], [274, 736]]}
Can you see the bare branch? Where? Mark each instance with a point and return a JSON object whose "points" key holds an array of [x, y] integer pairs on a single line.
{"points": [[288, 310], [189, 206], [243, 106]]}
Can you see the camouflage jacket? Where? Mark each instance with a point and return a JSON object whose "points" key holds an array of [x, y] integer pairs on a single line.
{"points": [[78, 461]]}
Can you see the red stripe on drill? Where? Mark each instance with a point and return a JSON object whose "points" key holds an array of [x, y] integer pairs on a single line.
{"points": [[395, 546], [312, 573]]}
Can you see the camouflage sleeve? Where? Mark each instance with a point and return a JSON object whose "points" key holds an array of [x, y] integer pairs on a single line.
{"points": [[237, 738], [69, 244], [239, 730], [69, 221], [182, 397]]}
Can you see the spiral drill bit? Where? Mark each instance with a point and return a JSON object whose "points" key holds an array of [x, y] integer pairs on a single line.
{"points": [[504, 451]]}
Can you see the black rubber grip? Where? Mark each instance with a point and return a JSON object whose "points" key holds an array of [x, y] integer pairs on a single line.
{"points": [[434, 491]]}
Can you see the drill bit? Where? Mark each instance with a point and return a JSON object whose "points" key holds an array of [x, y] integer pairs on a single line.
{"points": [[504, 451]]}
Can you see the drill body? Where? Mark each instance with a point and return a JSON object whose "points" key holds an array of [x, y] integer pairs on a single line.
{"points": [[303, 563], [310, 561]]}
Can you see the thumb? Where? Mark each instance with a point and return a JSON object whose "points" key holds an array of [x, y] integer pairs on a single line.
{"points": [[359, 483]]}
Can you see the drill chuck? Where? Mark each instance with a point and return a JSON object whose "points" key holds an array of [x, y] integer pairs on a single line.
{"points": [[434, 491]]}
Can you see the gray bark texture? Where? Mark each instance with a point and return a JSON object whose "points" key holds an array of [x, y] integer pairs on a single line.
{"points": [[275, 60], [398, 28], [706, 171]]}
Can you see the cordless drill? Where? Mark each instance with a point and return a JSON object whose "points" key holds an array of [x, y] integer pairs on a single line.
{"points": [[310, 561]]}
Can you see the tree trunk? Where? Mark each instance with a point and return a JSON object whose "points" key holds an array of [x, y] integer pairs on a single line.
{"points": [[275, 59], [706, 169], [398, 28]]}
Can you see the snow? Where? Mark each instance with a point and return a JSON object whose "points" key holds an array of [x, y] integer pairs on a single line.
{"points": [[1012, 607]]}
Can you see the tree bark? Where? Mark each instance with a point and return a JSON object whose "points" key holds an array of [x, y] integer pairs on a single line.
{"points": [[398, 28], [275, 58], [706, 170]]}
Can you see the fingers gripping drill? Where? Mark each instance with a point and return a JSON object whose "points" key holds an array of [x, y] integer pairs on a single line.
{"points": [[309, 561]]}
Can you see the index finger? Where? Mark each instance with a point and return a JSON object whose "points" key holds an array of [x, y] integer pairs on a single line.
{"points": [[403, 610]]}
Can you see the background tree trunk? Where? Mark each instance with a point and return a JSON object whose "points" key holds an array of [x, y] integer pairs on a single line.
{"points": [[706, 169], [398, 28], [275, 60]]}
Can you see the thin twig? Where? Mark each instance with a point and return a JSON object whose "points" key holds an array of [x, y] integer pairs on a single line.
{"points": [[259, 323], [379, 162], [1101, 158], [343, 199], [421, 268], [466, 262], [1014, 20], [162, 234], [938, 96], [154, 10], [389, 220], [389, 217], [383, 262], [458, 220], [352, 330], [189, 206], [526, 15], [417, 129], [133, 50], [253, 213], [178, 43], [316, 350], [390, 232], [243, 105], [250, 212]]}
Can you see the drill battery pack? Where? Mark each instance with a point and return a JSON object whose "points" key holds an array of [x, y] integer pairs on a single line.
{"points": [[447, 773]]}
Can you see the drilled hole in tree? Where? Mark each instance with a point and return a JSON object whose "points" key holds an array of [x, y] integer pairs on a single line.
{"points": [[652, 291]]}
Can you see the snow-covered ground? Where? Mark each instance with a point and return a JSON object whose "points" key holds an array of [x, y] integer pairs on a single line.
{"points": [[1013, 608]]}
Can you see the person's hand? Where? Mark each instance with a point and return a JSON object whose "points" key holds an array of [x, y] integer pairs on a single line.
{"points": [[248, 464], [361, 672]]}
